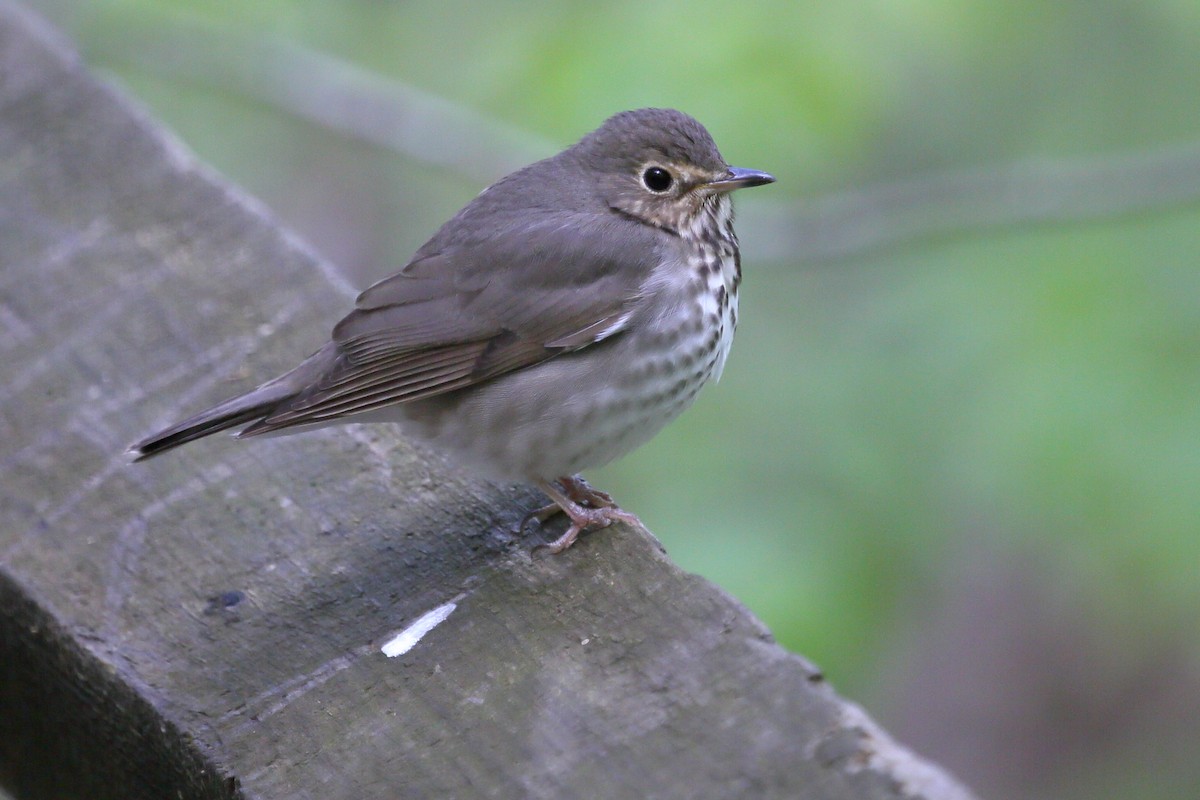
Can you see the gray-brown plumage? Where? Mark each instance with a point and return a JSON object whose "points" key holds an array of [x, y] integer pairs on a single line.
{"points": [[556, 322]]}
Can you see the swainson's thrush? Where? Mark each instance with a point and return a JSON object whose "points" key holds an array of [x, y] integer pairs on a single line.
{"points": [[558, 321]]}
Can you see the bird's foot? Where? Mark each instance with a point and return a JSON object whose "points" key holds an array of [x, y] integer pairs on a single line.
{"points": [[577, 489], [588, 519], [588, 509]]}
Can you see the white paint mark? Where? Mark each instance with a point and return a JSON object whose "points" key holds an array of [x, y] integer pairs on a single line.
{"points": [[407, 639]]}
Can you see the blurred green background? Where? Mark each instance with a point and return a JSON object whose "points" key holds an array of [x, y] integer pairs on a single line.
{"points": [[955, 457]]}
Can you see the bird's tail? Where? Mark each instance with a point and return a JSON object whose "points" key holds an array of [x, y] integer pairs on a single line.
{"points": [[240, 410]]}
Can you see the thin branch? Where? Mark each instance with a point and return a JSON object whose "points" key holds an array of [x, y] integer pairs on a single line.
{"points": [[363, 105], [977, 201], [323, 90]]}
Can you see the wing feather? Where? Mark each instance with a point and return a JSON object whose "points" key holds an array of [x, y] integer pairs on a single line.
{"points": [[471, 311]]}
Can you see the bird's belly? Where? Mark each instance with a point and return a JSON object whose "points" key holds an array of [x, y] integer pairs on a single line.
{"points": [[576, 411]]}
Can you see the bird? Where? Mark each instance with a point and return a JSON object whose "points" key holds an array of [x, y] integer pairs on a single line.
{"points": [[558, 321]]}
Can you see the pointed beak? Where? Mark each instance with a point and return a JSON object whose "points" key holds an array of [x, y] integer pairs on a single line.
{"points": [[739, 178]]}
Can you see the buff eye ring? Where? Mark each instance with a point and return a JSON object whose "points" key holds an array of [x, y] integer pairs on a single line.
{"points": [[657, 179]]}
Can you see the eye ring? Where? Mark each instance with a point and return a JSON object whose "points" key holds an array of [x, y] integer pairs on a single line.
{"points": [[657, 179]]}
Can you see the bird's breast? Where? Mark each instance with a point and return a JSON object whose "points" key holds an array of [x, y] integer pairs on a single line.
{"points": [[583, 409], [713, 266]]}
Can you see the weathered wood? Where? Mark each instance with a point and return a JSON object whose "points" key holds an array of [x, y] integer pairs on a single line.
{"points": [[214, 619]]}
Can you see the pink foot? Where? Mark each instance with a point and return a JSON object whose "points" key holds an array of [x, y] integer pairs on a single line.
{"points": [[588, 509]]}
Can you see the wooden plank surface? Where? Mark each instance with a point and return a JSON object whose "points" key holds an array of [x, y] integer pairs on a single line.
{"points": [[211, 623]]}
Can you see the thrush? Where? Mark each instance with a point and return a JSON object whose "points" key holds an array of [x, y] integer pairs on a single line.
{"points": [[555, 323]]}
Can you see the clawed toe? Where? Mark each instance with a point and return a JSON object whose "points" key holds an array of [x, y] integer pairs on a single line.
{"points": [[578, 490], [540, 514], [590, 520], [599, 512]]}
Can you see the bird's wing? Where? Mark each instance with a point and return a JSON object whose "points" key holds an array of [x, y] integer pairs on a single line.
{"points": [[467, 313]]}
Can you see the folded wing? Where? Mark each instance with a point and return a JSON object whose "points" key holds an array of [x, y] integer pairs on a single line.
{"points": [[463, 313]]}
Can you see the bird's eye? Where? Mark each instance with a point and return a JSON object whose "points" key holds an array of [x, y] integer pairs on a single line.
{"points": [[657, 179]]}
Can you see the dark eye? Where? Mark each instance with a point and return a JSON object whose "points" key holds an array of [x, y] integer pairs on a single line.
{"points": [[657, 179]]}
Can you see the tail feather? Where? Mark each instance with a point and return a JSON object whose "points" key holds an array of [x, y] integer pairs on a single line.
{"points": [[237, 411]]}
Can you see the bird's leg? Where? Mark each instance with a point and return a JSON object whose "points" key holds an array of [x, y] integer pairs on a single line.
{"points": [[566, 500], [583, 493], [578, 490]]}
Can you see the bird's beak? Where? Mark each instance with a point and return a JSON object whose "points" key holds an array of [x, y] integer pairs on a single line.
{"points": [[739, 178]]}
